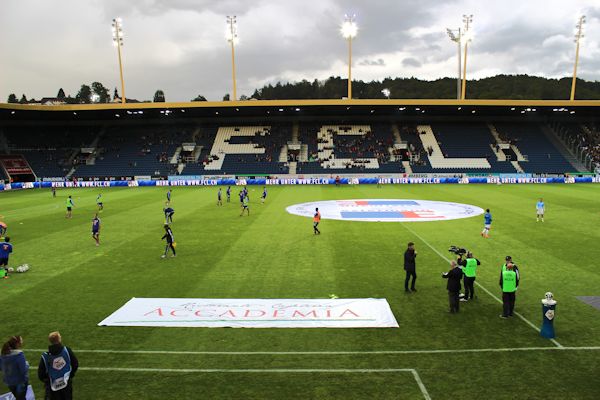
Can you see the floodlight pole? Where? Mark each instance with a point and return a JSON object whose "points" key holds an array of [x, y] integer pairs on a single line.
{"points": [[118, 39], [350, 68], [231, 21], [467, 19], [348, 32], [457, 39], [578, 37]]}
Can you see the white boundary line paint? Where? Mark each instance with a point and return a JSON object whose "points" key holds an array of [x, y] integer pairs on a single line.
{"points": [[333, 353], [414, 372], [479, 284]]}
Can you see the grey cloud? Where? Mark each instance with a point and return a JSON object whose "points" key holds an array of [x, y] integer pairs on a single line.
{"points": [[376, 63], [113, 8], [411, 62]]}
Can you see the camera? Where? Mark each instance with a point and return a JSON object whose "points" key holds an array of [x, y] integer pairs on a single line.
{"points": [[459, 251]]}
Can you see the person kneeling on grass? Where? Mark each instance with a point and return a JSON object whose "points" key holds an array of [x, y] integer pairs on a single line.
{"points": [[168, 236]]}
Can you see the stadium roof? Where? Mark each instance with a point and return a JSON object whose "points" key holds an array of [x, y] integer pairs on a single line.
{"points": [[306, 108]]}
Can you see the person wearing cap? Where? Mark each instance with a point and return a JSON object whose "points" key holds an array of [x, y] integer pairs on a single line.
{"points": [[509, 282], [469, 268], [454, 276]]}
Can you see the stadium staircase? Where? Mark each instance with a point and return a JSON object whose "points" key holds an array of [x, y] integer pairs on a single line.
{"points": [[500, 156], [535, 147], [293, 165], [396, 132], [562, 148], [517, 167]]}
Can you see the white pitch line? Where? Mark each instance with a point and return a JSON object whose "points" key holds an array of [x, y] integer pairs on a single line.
{"points": [[414, 372], [421, 385], [479, 284], [332, 353]]}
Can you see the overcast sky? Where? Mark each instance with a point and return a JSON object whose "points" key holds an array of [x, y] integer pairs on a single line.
{"points": [[179, 45]]}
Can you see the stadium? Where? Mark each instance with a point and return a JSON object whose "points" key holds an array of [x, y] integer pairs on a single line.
{"points": [[289, 220]]}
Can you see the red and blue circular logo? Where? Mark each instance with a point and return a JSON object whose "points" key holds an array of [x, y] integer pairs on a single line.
{"points": [[386, 210]]}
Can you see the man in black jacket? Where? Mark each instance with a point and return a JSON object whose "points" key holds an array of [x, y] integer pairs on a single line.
{"points": [[57, 369], [454, 276], [170, 241], [410, 256]]}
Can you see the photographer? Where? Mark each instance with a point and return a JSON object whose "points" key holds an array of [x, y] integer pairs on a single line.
{"points": [[453, 286], [469, 268]]}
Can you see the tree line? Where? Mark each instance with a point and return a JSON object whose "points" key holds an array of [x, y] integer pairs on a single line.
{"points": [[515, 87], [511, 87]]}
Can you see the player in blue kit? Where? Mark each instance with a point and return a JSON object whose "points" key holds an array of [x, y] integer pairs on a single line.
{"points": [[242, 195], [264, 195], [228, 194], [540, 208], [487, 224], [5, 250], [96, 229], [219, 200], [99, 202], [168, 213], [168, 196]]}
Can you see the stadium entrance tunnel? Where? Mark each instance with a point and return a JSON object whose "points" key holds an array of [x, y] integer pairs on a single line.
{"points": [[386, 210]]}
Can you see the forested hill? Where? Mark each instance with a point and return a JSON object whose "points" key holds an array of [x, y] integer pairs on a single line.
{"points": [[497, 87]]}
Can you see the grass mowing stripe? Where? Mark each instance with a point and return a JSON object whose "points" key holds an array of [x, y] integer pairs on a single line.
{"points": [[334, 353], [478, 284], [414, 372]]}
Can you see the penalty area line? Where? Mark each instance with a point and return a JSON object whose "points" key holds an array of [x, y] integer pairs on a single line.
{"points": [[528, 322]]}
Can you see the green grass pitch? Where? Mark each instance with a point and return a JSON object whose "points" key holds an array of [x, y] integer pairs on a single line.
{"points": [[72, 285]]}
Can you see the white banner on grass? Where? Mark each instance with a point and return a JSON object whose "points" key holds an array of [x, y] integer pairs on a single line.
{"points": [[254, 313]]}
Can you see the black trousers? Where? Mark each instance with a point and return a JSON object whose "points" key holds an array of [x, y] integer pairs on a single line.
{"points": [[508, 303], [469, 287], [169, 246], [410, 274], [453, 300], [63, 394]]}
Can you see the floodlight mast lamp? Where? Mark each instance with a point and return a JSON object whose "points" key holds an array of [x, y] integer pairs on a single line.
{"points": [[349, 30], [457, 39], [466, 38], [232, 38], [117, 30], [578, 37]]}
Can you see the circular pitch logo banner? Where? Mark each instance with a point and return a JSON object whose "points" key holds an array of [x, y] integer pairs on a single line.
{"points": [[386, 210]]}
